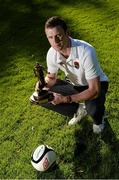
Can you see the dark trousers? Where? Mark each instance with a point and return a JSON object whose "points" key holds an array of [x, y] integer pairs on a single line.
{"points": [[95, 108]]}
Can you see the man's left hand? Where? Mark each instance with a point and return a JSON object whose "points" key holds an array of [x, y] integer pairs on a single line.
{"points": [[58, 99]]}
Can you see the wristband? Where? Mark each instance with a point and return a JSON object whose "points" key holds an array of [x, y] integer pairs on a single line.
{"points": [[69, 99]]}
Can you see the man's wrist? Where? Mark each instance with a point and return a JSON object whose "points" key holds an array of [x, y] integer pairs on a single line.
{"points": [[69, 99]]}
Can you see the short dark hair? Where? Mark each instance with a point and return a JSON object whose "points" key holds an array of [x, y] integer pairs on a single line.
{"points": [[56, 21]]}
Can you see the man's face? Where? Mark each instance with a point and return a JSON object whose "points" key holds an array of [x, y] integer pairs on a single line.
{"points": [[57, 37]]}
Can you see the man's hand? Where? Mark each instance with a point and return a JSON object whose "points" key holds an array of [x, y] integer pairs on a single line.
{"points": [[58, 99]]}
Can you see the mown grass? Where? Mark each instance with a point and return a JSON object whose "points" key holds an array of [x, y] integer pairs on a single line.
{"points": [[80, 153]]}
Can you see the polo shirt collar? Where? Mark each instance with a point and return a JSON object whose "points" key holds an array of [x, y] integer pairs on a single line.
{"points": [[73, 54]]}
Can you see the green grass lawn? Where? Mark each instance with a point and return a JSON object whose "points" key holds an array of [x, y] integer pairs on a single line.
{"points": [[80, 153]]}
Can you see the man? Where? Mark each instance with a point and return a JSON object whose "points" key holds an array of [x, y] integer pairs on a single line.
{"points": [[79, 62]]}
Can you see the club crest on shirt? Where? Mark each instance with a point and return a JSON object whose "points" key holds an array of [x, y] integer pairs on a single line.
{"points": [[76, 64]]}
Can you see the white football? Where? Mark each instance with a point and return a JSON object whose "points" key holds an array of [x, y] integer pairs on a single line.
{"points": [[43, 157]]}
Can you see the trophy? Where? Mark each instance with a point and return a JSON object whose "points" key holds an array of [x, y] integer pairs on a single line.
{"points": [[38, 72], [41, 94]]}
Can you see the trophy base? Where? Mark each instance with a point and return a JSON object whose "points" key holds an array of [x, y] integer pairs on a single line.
{"points": [[41, 97]]}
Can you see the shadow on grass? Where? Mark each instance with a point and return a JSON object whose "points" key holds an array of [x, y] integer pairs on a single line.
{"points": [[22, 28], [109, 137], [87, 151], [53, 173], [89, 161], [22, 24], [111, 158]]}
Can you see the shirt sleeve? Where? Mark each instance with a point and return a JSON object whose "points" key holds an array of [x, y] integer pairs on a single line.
{"points": [[91, 65], [51, 59]]}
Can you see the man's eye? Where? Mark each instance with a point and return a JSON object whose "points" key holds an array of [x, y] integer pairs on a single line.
{"points": [[59, 36]]}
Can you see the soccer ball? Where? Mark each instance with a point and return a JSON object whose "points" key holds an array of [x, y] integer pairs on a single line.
{"points": [[43, 157]]}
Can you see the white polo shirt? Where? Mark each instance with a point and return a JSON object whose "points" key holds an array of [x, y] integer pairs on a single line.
{"points": [[80, 66]]}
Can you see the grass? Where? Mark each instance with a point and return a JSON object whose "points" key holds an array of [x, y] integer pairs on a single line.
{"points": [[80, 153]]}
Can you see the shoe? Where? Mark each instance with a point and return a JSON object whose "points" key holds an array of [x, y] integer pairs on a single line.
{"points": [[98, 128], [81, 113]]}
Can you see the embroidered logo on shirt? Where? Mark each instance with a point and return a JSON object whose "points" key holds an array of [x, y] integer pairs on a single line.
{"points": [[76, 64]]}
